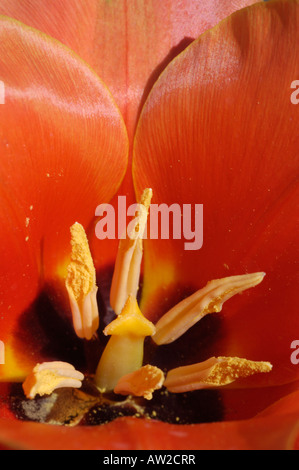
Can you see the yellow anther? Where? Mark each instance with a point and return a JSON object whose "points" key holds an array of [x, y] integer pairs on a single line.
{"points": [[214, 372], [141, 383], [210, 299], [81, 285], [126, 274], [48, 376]]}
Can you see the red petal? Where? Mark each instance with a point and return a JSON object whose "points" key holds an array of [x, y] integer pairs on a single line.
{"points": [[245, 403], [126, 43], [219, 129], [276, 429], [63, 151]]}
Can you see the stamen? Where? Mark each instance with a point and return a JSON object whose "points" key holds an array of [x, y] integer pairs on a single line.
{"points": [[207, 300], [48, 376], [123, 353], [81, 285], [214, 372], [126, 274], [141, 383]]}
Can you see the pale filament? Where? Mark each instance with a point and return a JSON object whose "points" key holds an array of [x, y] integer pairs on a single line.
{"points": [[126, 274]]}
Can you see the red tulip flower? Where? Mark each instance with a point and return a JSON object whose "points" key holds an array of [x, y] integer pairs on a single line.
{"points": [[198, 102]]}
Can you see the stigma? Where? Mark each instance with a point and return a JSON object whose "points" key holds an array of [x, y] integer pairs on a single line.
{"points": [[81, 285]]}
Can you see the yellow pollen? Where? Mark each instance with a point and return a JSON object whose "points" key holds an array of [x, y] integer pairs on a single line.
{"points": [[214, 372], [81, 271], [81, 285], [141, 383]]}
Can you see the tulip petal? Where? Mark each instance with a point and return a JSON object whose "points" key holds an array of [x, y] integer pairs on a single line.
{"points": [[113, 36], [277, 429], [219, 129], [127, 44], [63, 151]]}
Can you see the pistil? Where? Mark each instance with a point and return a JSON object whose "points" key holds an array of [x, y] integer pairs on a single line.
{"points": [[81, 285], [126, 274], [124, 351], [210, 299], [214, 372]]}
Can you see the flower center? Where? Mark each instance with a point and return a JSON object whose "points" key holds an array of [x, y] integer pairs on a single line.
{"points": [[123, 381]]}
